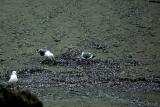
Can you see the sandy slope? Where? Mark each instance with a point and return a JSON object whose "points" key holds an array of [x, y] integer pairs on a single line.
{"points": [[108, 28]]}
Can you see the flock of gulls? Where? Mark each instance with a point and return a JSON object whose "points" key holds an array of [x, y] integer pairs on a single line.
{"points": [[49, 56]]}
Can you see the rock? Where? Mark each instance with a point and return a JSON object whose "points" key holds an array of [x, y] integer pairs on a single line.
{"points": [[57, 40], [116, 45], [129, 56], [1, 60]]}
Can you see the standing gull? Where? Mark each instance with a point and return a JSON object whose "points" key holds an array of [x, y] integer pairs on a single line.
{"points": [[46, 53], [13, 79], [86, 55]]}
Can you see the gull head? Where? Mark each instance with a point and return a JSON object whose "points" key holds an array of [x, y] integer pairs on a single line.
{"points": [[42, 51], [14, 72]]}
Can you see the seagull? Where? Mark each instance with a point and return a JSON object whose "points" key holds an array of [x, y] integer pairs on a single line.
{"points": [[46, 53], [86, 55], [13, 79]]}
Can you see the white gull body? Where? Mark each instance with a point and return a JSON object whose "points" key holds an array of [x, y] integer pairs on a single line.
{"points": [[13, 78], [46, 53]]}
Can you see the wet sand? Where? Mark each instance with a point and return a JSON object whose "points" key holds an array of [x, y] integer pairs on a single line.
{"points": [[112, 30]]}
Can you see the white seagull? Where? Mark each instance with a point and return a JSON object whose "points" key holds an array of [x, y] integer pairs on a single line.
{"points": [[86, 55], [46, 53], [13, 79]]}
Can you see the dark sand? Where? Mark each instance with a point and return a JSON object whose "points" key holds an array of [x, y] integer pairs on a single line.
{"points": [[118, 30]]}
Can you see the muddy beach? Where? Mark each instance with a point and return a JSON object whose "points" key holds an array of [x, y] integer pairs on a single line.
{"points": [[94, 79], [124, 36]]}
